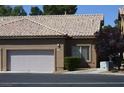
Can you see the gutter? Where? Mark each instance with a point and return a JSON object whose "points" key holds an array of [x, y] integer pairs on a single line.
{"points": [[31, 37], [47, 37], [83, 37]]}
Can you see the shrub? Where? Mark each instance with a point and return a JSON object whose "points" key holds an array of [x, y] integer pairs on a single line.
{"points": [[71, 63]]}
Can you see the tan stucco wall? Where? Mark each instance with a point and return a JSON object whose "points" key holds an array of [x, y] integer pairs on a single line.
{"points": [[75, 42], [122, 24], [42, 44], [61, 47]]}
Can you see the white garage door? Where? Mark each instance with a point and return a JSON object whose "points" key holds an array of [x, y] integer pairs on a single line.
{"points": [[28, 60]]}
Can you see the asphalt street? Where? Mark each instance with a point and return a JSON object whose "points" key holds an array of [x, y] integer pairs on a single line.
{"points": [[60, 80]]}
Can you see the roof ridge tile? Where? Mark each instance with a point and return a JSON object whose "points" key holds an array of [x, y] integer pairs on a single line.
{"points": [[11, 22]]}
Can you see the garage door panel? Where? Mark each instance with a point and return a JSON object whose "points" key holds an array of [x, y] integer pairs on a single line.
{"points": [[31, 52], [26, 60]]}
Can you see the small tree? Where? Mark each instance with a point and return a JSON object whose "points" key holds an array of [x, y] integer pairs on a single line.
{"points": [[35, 11], [109, 43], [59, 9], [5, 10], [18, 11]]}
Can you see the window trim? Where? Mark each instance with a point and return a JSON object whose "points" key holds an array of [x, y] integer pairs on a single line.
{"points": [[89, 45]]}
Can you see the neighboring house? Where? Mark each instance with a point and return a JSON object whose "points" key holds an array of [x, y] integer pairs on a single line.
{"points": [[121, 19], [40, 43]]}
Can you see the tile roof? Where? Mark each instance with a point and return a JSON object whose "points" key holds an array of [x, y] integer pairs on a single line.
{"points": [[25, 27], [50, 25]]}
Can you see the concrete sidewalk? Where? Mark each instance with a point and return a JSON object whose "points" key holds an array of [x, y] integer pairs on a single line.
{"points": [[81, 71], [93, 71], [85, 71]]}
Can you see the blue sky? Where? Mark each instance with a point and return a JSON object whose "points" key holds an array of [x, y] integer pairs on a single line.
{"points": [[110, 12]]}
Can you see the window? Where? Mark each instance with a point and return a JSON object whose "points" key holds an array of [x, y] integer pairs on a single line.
{"points": [[83, 51], [76, 51]]}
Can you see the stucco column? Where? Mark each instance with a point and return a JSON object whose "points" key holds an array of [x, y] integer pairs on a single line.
{"points": [[4, 63], [60, 58]]}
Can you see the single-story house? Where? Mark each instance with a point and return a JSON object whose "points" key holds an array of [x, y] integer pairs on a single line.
{"points": [[40, 43]]}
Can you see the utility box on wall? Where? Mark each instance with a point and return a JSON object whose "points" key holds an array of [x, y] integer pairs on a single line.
{"points": [[104, 65]]}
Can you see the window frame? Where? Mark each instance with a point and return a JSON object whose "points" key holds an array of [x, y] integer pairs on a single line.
{"points": [[85, 45]]}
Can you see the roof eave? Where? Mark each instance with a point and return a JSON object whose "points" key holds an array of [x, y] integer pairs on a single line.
{"points": [[43, 37], [32, 37], [84, 37]]}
